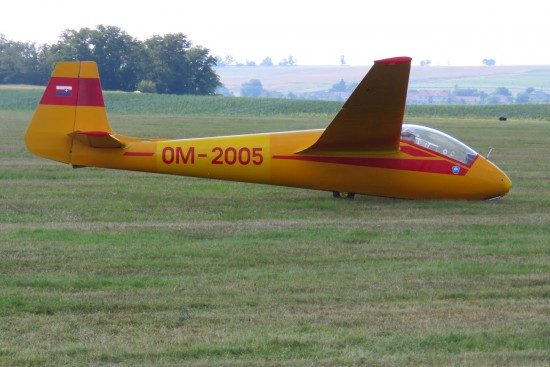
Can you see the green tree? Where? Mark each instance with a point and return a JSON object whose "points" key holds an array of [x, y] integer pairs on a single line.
{"points": [[168, 63], [522, 97], [117, 54], [224, 91], [252, 88], [74, 45], [178, 68], [288, 62], [267, 62], [22, 63], [203, 79], [339, 87], [229, 60], [503, 91], [147, 86], [465, 92]]}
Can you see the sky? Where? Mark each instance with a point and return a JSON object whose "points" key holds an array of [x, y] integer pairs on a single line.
{"points": [[315, 32]]}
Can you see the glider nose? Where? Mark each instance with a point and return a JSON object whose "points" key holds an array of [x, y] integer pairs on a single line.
{"points": [[491, 182], [502, 184], [507, 183]]}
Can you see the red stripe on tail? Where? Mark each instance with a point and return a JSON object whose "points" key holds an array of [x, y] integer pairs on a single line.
{"points": [[89, 93], [73, 92], [63, 97]]}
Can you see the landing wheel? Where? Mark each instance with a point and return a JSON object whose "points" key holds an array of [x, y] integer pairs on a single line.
{"points": [[343, 195]]}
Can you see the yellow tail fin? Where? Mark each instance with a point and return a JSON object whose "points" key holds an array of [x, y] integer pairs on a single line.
{"points": [[72, 104]]}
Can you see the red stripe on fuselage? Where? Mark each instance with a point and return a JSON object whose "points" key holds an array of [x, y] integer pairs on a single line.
{"points": [[415, 152], [84, 92], [418, 165], [418, 151], [139, 154]]}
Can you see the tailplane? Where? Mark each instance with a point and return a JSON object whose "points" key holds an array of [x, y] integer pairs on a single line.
{"points": [[72, 108]]}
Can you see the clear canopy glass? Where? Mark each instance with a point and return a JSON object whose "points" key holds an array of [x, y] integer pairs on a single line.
{"points": [[438, 142]]}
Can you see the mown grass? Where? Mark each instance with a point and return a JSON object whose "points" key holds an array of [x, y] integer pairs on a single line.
{"points": [[105, 267]]}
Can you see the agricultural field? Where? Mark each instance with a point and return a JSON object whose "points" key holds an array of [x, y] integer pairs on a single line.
{"points": [[300, 79], [236, 107], [107, 268]]}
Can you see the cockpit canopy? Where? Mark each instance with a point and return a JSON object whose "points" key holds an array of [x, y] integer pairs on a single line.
{"points": [[438, 142]]}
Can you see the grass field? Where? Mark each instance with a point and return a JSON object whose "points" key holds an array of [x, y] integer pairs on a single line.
{"points": [[119, 268], [207, 107]]}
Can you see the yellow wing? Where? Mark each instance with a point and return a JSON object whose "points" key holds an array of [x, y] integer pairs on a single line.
{"points": [[371, 118]]}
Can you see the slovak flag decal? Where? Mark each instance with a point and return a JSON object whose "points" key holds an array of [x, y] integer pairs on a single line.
{"points": [[63, 91]]}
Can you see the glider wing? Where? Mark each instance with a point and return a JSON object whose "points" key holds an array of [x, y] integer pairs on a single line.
{"points": [[370, 120]]}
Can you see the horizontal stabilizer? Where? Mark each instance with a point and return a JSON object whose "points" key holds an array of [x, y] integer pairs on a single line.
{"points": [[97, 139]]}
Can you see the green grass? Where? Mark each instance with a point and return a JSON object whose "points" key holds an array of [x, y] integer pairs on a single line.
{"points": [[103, 267], [174, 105], [155, 104]]}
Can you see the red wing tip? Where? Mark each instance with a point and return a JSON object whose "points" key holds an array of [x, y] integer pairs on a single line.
{"points": [[394, 60]]}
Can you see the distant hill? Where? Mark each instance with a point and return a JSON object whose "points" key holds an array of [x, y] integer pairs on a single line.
{"points": [[301, 79]]}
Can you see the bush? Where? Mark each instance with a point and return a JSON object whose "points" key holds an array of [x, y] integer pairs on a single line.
{"points": [[147, 86]]}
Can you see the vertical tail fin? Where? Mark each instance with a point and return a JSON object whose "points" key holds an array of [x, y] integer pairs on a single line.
{"points": [[72, 102]]}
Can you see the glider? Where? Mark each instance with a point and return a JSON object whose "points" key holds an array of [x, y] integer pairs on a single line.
{"points": [[366, 149]]}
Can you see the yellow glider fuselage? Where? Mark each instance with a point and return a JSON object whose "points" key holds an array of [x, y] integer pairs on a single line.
{"points": [[71, 126]]}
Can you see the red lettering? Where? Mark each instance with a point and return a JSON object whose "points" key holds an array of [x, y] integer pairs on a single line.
{"points": [[218, 158], [168, 155], [244, 156], [257, 156], [185, 157], [230, 156]]}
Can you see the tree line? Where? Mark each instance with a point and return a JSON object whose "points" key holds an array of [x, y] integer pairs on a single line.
{"points": [[160, 64], [230, 60]]}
